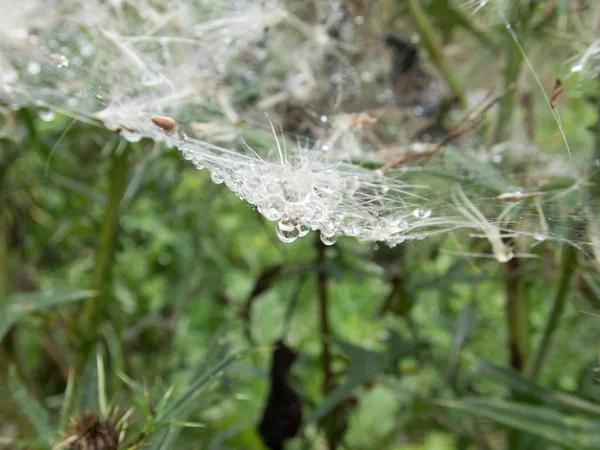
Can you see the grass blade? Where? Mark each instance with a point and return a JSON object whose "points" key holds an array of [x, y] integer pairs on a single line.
{"points": [[570, 430], [33, 410], [21, 304]]}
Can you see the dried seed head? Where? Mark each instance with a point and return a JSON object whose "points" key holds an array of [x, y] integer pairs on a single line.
{"points": [[90, 432], [168, 124]]}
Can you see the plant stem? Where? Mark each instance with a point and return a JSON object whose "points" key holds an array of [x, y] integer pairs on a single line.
{"points": [[507, 104], [4, 272], [518, 333], [592, 193], [7, 344], [568, 265], [434, 47], [517, 321], [95, 307], [324, 324], [514, 58]]}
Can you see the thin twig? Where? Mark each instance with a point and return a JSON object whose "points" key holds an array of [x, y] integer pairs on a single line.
{"points": [[471, 122]]}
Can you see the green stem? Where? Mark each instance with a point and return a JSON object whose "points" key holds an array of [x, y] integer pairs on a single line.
{"points": [[592, 193], [514, 58], [518, 334], [4, 271], [507, 104], [325, 332], [9, 152], [434, 47], [7, 344], [568, 265], [8, 350], [94, 309], [517, 320]]}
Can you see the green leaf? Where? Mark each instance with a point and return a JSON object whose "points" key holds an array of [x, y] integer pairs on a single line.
{"points": [[20, 304], [217, 359], [365, 364], [530, 390], [569, 430], [65, 409], [33, 410], [465, 323], [166, 439]]}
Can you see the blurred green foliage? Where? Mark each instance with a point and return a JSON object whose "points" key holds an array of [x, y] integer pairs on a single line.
{"points": [[129, 280]]}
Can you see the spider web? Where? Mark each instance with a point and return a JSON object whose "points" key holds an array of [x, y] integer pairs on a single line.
{"points": [[199, 76]]}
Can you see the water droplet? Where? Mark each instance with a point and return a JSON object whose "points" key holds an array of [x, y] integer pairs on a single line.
{"points": [[252, 182], [324, 119], [273, 210], [325, 147], [47, 115], [422, 213], [497, 158], [328, 239], [33, 67], [61, 61], [359, 20], [540, 237], [273, 188], [577, 67], [131, 136], [10, 76], [367, 77], [303, 230], [150, 79], [402, 225], [217, 176], [295, 193], [286, 231]]}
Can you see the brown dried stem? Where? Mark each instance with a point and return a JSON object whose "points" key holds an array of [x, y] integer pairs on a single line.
{"points": [[472, 120]]}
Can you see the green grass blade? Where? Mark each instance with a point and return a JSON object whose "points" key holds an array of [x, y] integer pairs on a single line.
{"points": [[199, 383], [102, 398], [32, 409], [20, 304], [67, 402], [570, 430], [530, 390]]}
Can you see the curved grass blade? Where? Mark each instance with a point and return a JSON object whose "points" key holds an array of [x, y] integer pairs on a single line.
{"points": [[570, 430], [530, 390], [33, 410], [19, 305]]}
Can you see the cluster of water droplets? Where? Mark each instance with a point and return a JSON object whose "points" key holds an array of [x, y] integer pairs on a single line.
{"points": [[337, 199]]}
